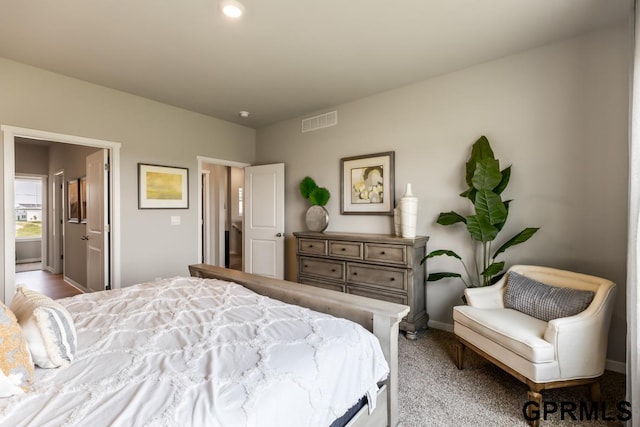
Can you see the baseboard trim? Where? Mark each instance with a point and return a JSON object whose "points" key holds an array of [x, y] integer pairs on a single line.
{"points": [[75, 284], [28, 260], [615, 366], [611, 365], [440, 325]]}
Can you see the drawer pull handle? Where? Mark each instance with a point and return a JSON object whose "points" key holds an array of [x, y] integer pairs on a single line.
{"points": [[381, 252], [333, 270], [393, 279], [306, 266], [355, 273], [343, 249], [310, 246]]}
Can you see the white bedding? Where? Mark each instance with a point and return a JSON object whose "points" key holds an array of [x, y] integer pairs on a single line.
{"points": [[201, 352]]}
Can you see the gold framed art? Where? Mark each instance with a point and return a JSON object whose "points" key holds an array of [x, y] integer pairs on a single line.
{"points": [[162, 187]]}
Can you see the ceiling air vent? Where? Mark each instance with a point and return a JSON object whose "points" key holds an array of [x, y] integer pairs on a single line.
{"points": [[319, 122]]}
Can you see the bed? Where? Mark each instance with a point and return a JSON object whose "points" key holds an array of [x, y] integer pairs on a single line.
{"points": [[220, 348]]}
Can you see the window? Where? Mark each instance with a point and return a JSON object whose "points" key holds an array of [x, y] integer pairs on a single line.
{"points": [[240, 201], [28, 201]]}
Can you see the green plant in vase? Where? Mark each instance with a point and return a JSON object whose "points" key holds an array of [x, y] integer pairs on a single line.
{"points": [[486, 182], [317, 217]]}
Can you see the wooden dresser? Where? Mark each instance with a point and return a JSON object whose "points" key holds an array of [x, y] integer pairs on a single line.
{"points": [[378, 266]]}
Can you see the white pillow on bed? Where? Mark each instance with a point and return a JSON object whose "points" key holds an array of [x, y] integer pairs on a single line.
{"points": [[48, 328]]}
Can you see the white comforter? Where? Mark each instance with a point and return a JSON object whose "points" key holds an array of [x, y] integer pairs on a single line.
{"points": [[201, 352]]}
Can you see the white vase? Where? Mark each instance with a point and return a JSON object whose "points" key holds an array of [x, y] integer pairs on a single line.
{"points": [[408, 213]]}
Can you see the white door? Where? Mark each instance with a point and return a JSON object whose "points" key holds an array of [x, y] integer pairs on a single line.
{"points": [[263, 250], [97, 221]]}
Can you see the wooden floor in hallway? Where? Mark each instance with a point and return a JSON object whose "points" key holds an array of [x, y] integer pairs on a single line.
{"points": [[51, 285]]}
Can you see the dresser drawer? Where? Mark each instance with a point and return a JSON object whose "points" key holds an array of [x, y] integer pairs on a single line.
{"points": [[326, 285], [387, 253], [388, 278], [376, 294], [322, 268], [349, 250], [312, 246]]}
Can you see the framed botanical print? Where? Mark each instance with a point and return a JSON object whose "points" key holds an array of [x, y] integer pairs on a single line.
{"points": [[367, 184]]}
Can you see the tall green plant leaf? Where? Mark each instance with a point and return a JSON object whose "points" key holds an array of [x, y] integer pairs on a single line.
{"points": [[506, 176], [469, 193], [480, 150], [521, 237], [499, 225], [493, 269], [481, 229], [437, 276], [489, 205], [487, 175], [440, 252], [448, 218]]}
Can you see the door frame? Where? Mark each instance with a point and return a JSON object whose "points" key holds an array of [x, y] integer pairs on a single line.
{"points": [[8, 142], [201, 161], [205, 217]]}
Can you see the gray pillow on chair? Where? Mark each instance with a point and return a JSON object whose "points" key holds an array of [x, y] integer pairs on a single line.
{"points": [[543, 301]]}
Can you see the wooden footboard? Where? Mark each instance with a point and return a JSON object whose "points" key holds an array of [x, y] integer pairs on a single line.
{"points": [[380, 317]]}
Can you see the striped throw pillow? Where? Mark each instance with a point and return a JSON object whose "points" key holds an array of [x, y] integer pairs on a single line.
{"points": [[48, 328]]}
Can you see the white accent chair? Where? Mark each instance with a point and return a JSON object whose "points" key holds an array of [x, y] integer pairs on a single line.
{"points": [[562, 352]]}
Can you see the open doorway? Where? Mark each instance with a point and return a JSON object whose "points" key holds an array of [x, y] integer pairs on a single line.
{"points": [[221, 212], [57, 198], [222, 215]]}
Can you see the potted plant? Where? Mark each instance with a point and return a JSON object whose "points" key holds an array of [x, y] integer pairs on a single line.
{"points": [[317, 217], [486, 182]]}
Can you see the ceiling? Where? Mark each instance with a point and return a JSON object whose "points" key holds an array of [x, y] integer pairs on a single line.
{"points": [[284, 58]]}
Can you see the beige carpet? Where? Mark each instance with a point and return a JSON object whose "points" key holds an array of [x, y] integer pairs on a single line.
{"points": [[433, 392]]}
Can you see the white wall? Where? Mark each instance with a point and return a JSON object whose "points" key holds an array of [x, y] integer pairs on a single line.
{"points": [[558, 114], [150, 132]]}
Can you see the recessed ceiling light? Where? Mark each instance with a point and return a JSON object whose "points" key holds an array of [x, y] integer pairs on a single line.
{"points": [[232, 8], [243, 114]]}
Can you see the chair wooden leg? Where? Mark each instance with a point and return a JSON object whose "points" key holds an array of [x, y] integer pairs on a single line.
{"points": [[595, 392], [459, 355], [534, 396]]}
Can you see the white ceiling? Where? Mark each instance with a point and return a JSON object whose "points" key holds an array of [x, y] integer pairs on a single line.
{"points": [[285, 58]]}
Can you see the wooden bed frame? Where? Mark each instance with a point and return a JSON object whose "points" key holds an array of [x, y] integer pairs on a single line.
{"points": [[380, 317]]}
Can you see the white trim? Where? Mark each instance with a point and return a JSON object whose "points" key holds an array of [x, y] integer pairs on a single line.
{"points": [[440, 325], [28, 260], [206, 221], [202, 160], [9, 134], [615, 366], [28, 239], [75, 284]]}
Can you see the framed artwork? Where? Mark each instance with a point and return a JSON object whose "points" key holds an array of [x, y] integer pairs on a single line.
{"points": [[83, 199], [162, 187], [73, 201], [367, 184]]}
